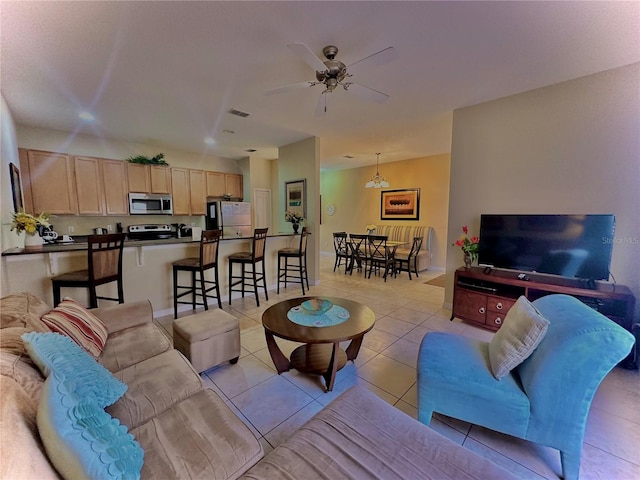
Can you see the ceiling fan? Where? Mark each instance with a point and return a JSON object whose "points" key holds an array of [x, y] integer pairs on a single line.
{"points": [[332, 73]]}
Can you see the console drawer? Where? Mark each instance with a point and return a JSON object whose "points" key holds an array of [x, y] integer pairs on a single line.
{"points": [[499, 304], [470, 305], [495, 319]]}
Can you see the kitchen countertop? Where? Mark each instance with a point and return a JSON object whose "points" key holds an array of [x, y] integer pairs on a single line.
{"points": [[80, 246]]}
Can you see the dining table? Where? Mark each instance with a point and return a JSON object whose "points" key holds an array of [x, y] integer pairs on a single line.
{"points": [[358, 247]]}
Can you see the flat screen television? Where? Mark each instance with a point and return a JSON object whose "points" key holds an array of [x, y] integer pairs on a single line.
{"points": [[567, 245]]}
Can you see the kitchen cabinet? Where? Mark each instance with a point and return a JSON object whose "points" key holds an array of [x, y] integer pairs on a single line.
{"points": [[114, 175], [101, 186], [219, 184], [48, 182], [148, 178], [89, 186], [215, 184], [180, 191], [139, 177], [198, 192], [233, 185], [160, 179]]}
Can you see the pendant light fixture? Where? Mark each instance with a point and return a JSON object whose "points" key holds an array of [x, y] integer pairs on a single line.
{"points": [[377, 181]]}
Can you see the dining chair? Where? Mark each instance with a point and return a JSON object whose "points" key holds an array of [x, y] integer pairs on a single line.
{"points": [[358, 257], [379, 256], [342, 250], [207, 260], [250, 279], [104, 266], [294, 273], [402, 259]]}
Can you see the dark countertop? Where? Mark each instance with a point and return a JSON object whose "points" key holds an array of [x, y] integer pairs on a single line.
{"points": [[80, 246]]}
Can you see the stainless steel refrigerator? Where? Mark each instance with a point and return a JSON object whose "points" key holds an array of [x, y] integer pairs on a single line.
{"points": [[233, 217]]}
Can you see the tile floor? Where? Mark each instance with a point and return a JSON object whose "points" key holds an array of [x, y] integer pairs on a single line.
{"points": [[274, 406]]}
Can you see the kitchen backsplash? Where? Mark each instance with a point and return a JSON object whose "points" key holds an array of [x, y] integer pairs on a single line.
{"points": [[84, 225]]}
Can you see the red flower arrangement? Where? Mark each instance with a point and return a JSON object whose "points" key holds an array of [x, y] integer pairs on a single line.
{"points": [[468, 245]]}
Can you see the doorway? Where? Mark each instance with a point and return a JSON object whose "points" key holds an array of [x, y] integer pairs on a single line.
{"points": [[261, 208]]}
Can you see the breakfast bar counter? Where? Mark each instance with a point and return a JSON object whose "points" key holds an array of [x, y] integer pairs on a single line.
{"points": [[146, 267], [82, 245]]}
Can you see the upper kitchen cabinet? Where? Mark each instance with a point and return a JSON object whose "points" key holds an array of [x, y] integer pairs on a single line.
{"points": [[101, 185], [139, 176], [148, 178], [220, 184], [198, 192], [233, 185], [49, 182], [160, 179], [215, 184], [89, 186], [114, 174], [180, 190]]}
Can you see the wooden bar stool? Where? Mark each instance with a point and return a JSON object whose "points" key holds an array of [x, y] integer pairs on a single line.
{"points": [[207, 260], [104, 266], [293, 273], [250, 279]]}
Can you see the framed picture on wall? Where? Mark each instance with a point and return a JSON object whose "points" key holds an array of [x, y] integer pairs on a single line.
{"points": [[16, 188], [400, 204], [296, 196]]}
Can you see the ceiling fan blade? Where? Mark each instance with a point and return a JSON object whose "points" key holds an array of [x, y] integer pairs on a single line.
{"points": [[378, 58], [367, 93], [307, 56], [323, 101], [286, 88]]}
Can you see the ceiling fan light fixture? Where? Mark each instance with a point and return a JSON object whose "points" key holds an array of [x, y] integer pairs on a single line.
{"points": [[377, 181]]}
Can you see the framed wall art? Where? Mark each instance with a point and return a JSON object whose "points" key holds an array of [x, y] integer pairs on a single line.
{"points": [[16, 188], [296, 196], [400, 204]]}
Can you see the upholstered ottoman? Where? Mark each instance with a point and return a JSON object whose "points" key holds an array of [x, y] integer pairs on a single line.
{"points": [[207, 338]]}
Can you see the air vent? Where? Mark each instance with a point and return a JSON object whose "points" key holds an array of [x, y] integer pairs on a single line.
{"points": [[251, 150], [239, 113]]}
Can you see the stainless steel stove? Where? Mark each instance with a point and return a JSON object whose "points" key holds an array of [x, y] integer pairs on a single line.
{"points": [[149, 232]]}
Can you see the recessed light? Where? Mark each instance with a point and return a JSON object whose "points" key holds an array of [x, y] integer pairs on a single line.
{"points": [[86, 116], [209, 141]]}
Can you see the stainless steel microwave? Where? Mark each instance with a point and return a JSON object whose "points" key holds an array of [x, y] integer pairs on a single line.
{"points": [[150, 204]]}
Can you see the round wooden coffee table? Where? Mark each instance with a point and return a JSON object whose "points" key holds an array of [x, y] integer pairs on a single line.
{"points": [[321, 354]]}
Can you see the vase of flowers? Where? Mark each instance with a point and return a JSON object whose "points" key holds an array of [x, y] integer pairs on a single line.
{"points": [[469, 247], [371, 228], [33, 226], [295, 218]]}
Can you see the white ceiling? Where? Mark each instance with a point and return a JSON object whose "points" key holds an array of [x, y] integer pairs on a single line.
{"points": [[166, 73]]}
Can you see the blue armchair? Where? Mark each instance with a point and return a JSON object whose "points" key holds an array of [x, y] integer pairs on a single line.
{"points": [[545, 399]]}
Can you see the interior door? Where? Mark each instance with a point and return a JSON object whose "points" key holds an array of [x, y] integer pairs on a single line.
{"points": [[261, 208]]}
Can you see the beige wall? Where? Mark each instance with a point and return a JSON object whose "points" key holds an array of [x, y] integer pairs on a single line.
{"points": [[573, 147], [78, 144], [296, 161], [357, 206], [9, 152]]}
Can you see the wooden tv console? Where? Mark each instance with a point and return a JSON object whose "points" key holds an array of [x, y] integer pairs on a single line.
{"points": [[484, 296]]}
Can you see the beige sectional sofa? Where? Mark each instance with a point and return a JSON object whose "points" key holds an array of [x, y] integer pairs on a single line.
{"points": [[175, 420], [406, 233], [187, 431]]}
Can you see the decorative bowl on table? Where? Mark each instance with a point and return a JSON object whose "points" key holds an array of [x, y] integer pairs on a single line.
{"points": [[316, 306]]}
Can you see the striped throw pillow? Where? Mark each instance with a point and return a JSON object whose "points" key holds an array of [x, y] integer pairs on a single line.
{"points": [[76, 322]]}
